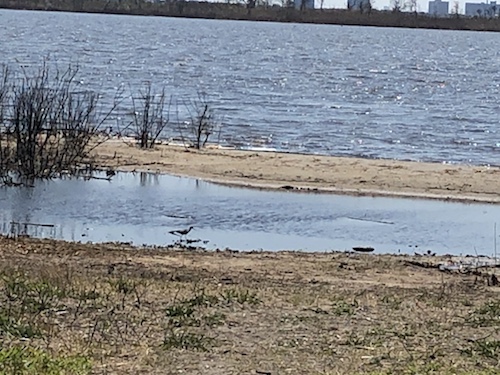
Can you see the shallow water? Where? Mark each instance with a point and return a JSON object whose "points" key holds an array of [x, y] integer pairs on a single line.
{"points": [[142, 208], [427, 95]]}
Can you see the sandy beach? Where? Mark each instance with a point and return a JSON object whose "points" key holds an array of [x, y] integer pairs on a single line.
{"points": [[340, 175]]}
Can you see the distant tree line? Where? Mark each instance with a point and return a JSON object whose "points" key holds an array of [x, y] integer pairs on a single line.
{"points": [[359, 12]]}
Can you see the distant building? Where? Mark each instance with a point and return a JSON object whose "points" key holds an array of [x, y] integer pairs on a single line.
{"points": [[482, 9], [304, 4], [438, 8], [359, 4]]}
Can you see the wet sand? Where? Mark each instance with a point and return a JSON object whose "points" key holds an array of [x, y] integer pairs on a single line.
{"points": [[340, 175]]}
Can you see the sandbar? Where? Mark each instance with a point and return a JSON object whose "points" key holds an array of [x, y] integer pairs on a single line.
{"points": [[308, 173]]}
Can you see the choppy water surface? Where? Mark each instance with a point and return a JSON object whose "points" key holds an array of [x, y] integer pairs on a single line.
{"points": [[373, 92], [143, 208]]}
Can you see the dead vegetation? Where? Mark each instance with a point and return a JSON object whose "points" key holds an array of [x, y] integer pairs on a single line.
{"points": [[148, 117], [48, 125], [114, 309]]}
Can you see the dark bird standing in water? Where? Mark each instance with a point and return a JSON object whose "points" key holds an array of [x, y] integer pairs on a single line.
{"points": [[181, 232]]}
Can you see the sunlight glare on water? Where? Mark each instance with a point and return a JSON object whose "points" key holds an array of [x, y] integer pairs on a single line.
{"points": [[428, 95]]}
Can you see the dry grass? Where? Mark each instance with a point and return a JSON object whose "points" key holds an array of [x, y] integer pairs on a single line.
{"points": [[114, 309]]}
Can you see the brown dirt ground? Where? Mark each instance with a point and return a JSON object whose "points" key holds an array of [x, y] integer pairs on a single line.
{"points": [[172, 311], [272, 170]]}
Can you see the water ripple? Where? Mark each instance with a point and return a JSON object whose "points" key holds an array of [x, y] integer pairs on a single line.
{"points": [[432, 96]]}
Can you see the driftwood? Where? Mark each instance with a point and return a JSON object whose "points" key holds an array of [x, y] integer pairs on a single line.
{"points": [[33, 224], [86, 178], [421, 264], [20, 229], [361, 249], [371, 220], [479, 270]]}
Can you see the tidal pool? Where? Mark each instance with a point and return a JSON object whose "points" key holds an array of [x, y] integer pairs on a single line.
{"points": [[142, 208]]}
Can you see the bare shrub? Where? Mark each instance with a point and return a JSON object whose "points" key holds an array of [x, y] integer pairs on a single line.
{"points": [[148, 116], [4, 92], [202, 122], [50, 126]]}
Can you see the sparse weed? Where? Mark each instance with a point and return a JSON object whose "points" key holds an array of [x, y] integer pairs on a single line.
{"points": [[187, 313], [33, 295], [431, 367], [123, 286], [354, 340], [14, 286], [22, 300], [341, 307], [215, 319], [16, 327], [128, 288], [485, 348], [433, 298], [85, 295], [202, 299], [486, 315], [182, 312], [181, 315], [310, 319], [44, 296], [230, 296], [392, 302], [179, 310], [183, 339]]}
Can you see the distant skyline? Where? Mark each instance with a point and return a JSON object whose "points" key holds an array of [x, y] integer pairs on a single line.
{"points": [[423, 5]]}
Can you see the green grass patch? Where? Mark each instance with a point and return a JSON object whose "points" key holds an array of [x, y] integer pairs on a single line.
{"points": [[32, 295], [485, 348], [487, 315], [21, 360], [16, 327]]}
